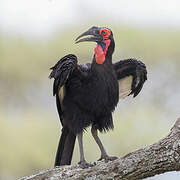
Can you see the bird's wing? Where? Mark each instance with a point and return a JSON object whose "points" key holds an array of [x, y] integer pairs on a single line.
{"points": [[61, 72], [131, 75]]}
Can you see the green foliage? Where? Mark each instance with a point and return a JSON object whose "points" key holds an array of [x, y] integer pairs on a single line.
{"points": [[27, 59]]}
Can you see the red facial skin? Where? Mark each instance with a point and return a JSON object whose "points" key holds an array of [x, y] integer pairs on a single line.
{"points": [[99, 53]]}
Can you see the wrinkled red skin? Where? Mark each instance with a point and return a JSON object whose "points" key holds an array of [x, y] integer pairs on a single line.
{"points": [[100, 55]]}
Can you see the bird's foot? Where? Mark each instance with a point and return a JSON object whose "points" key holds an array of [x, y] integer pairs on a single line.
{"points": [[107, 158], [84, 164]]}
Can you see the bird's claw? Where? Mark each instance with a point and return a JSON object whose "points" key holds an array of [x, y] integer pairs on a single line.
{"points": [[108, 158], [84, 164]]}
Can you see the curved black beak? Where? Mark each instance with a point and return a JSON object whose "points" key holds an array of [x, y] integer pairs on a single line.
{"points": [[94, 35]]}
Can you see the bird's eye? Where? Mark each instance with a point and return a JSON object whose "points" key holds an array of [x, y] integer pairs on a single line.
{"points": [[103, 32]]}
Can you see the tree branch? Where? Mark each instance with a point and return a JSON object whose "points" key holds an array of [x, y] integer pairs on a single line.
{"points": [[157, 158]]}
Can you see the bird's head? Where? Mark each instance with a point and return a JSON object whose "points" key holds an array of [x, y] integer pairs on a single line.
{"points": [[104, 39]]}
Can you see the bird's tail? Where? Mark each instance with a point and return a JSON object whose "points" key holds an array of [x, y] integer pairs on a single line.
{"points": [[65, 148]]}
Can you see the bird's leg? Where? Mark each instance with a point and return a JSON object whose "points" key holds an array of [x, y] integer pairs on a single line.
{"points": [[82, 162], [98, 141], [101, 147], [80, 141]]}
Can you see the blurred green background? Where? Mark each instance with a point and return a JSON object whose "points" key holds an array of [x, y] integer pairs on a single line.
{"points": [[29, 124]]}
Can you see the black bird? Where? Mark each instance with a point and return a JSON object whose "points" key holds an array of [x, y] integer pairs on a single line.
{"points": [[87, 94]]}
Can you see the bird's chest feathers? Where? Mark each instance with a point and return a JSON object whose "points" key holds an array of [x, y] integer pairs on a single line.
{"points": [[107, 81], [106, 91], [100, 51]]}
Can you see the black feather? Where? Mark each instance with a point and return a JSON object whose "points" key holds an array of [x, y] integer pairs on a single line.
{"points": [[91, 95], [134, 68], [61, 71]]}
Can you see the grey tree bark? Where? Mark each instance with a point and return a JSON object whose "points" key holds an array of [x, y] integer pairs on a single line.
{"points": [[157, 158]]}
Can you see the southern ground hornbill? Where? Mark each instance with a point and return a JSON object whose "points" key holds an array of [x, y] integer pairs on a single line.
{"points": [[87, 94]]}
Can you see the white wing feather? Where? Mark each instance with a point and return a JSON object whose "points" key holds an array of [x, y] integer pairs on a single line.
{"points": [[125, 86]]}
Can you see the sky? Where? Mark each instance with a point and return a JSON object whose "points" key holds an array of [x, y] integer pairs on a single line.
{"points": [[42, 17]]}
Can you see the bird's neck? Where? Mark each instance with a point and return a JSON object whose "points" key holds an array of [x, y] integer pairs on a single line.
{"points": [[101, 51]]}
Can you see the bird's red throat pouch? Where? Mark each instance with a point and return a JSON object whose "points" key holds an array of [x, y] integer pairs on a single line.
{"points": [[100, 55]]}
